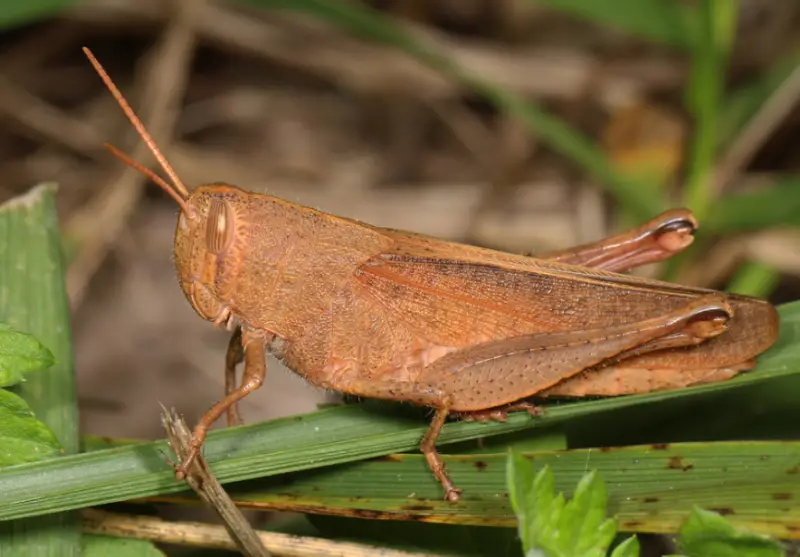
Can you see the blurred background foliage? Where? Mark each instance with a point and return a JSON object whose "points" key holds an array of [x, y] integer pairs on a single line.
{"points": [[524, 125]]}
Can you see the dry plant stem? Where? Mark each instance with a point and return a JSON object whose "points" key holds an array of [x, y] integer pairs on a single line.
{"points": [[214, 537], [42, 120], [162, 83], [758, 130], [473, 134], [203, 482], [512, 146], [776, 248], [31, 51]]}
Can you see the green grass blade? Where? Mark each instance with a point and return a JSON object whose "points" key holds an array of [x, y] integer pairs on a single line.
{"points": [[330, 436], [33, 299], [107, 546], [711, 43], [754, 279], [778, 205], [14, 14], [664, 21], [651, 488]]}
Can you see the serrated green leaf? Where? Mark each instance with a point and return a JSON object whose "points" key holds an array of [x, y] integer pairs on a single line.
{"points": [[547, 506], [548, 523], [23, 438], [708, 534], [20, 353], [628, 548], [587, 512], [582, 529], [104, 546], [519, 482]]}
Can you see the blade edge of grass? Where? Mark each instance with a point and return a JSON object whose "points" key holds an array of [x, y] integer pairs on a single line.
{"points": [[33, 299]]}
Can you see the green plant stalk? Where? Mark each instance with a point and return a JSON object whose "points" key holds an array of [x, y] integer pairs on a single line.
{"points": [[703, 99], [754, 279], [662, 21], [33, 299]]}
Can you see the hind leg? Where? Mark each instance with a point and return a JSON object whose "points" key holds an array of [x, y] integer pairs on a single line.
{"points": [[660, 238], [497, 373]]}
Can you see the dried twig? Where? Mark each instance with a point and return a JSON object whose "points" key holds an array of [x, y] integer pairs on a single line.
{"points": [[203, 482], [758, 130], [214, 537], [40, 119]]}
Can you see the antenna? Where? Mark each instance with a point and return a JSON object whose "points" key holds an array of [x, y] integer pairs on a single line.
{"points": [[177, 190]]}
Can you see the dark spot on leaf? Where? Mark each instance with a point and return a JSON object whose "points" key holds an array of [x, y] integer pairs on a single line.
{"points": [[480, 465], [724, 511], [650, 500], [365, 513], [781, 496], [676, 463], [418, 508], [660, 446], [630, 525], [794, 470]]}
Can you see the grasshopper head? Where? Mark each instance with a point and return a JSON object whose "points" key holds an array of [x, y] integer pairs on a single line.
{"points": [[208, 249], [206, 239]]}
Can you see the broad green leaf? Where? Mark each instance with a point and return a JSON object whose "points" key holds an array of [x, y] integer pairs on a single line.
{"points": [[708, 534], [19, 354], [33, 298], [107, 546], [664, 21], [23, 438], [628, 548]]}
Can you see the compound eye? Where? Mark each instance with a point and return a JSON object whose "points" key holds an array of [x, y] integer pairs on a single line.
{"points": [[220, 227]]}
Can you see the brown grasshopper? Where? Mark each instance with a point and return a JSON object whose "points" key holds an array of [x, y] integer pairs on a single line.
{"points": [[389, 314]]}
